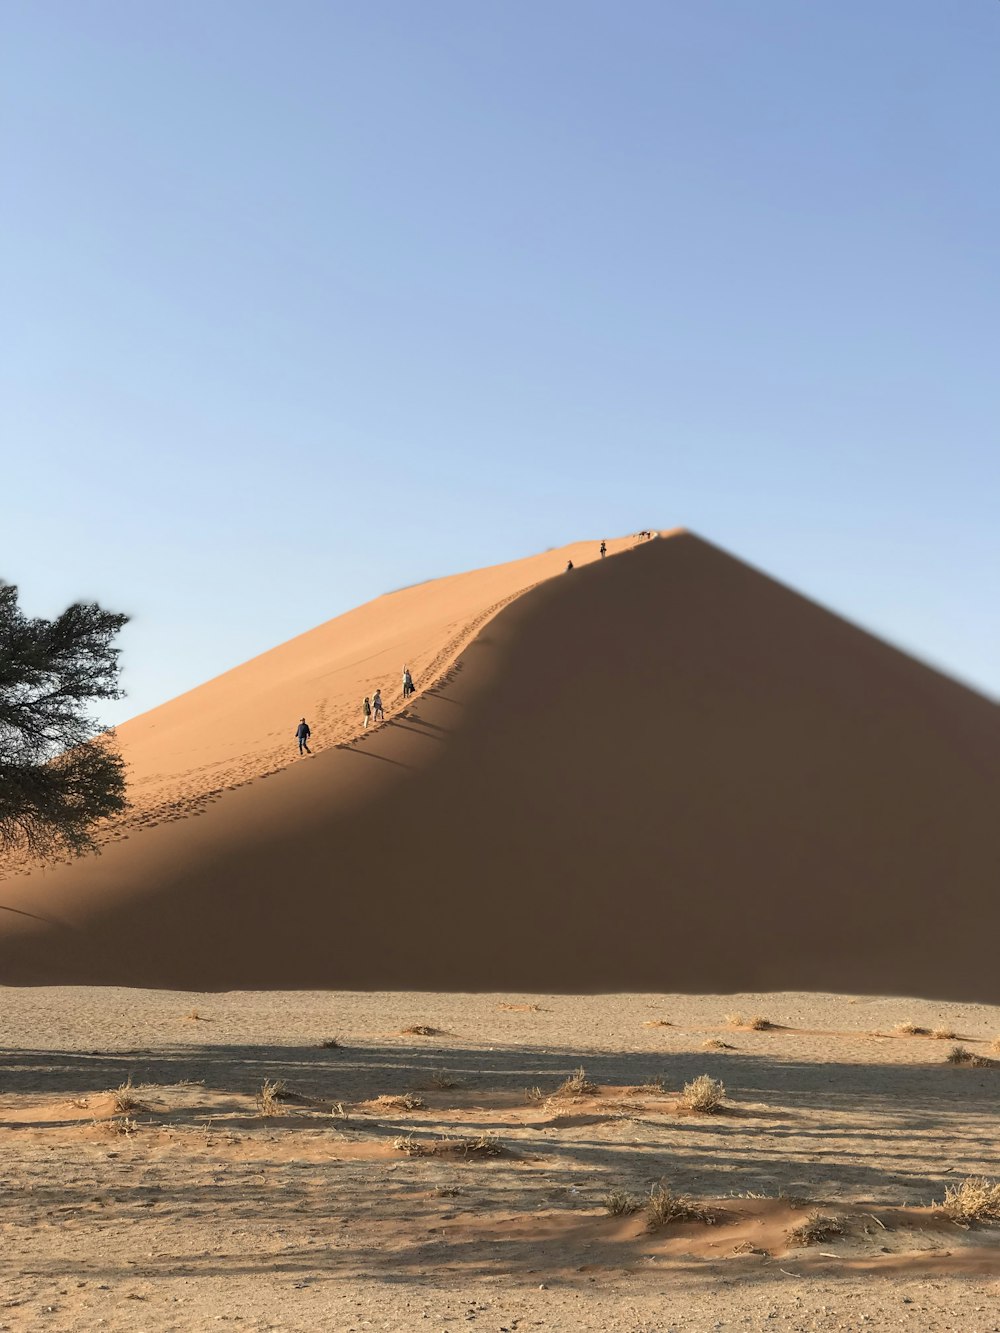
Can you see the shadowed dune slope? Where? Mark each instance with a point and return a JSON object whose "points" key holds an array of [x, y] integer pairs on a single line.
{"points": [[662, 772]]}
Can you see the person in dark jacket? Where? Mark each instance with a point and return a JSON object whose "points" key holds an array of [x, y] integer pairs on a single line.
{"points": [[303, 733]]}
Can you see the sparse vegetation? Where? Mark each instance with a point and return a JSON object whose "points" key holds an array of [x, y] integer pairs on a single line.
{"points": [[995, 1045], [657, 1023], [192, 1016], [909, 1029], [944, 1034], [443, 1081], [124, 1098], [269, 1097], [576, 1085], [654, 1088], [409, 1101], [619, 1203], [961, 1055], [331, 1044], [714, 1044], [121, 1124], [704, 1095], [664, 1206], [755, 1022], [484, 1145], [421, 1030], [817, 1227], [976, 1199]]}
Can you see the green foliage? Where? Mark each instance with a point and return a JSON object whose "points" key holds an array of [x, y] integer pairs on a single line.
{"points": [[59, 770]]}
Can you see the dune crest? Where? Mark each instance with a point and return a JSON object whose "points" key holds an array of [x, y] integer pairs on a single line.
{"points": [[666, 772]]}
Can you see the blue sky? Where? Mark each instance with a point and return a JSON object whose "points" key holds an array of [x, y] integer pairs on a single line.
{"points": [[304, 302]]}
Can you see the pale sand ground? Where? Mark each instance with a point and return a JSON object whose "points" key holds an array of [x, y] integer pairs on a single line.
{"points": [[208, 1213]]}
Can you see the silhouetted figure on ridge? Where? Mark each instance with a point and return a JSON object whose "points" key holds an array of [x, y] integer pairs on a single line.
{"points": [[604, 549]]}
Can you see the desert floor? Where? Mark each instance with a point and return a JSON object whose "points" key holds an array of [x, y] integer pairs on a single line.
{"points": [[355, 1207]]}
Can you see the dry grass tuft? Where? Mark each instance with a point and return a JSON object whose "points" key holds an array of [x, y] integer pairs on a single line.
{"points": [[664, 1206], [421, 1030], [443, 1081], [976, 1199], [269, 1097], [657, 1023], [911, 1030], [961, 1055], [485, 1145], [817, 1228], [121, 1124], [521, 1008], [577, 1085], [944, 1034], [714, 1044], [124, 1098], [704, 1095], [534, 1094], [409, 1101], [755, 1022], [331, 1044], [619, 1203], [654, 1088], [447, 1191]]}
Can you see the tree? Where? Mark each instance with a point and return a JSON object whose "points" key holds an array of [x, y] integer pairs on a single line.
{"points": [[60, 771]]}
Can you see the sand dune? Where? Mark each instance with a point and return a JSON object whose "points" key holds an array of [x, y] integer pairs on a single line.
{"points": [[665, 772]]}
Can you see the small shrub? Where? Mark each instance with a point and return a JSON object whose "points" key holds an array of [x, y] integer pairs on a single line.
{"points": [[534, 1094], [331, 1044], [664, 1206], [619, 1202], [577, 1085], [817, 1227], [944, 1034], [657, 1023], [193, 1016], [421, 1030], [911, 1030], [714, 1044], [443, 1081], [124, 1098], [704, 1095], [976, 1199], [736, 1020], [961, 1055], [758, 1023], [269, 1097]]}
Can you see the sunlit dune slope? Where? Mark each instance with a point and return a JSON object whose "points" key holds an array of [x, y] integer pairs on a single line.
{"points": [[663, 772]]}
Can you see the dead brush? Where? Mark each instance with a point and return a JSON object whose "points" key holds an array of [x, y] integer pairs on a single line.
{"points": [[193, 1016], [421, 1030], [331, 1044], [909, 1029], [121, 1124], [944, 1034], [443, 1081], [534, 1094], [485, 1145], [714, 1044], [654, 1088], [269, 1097], [576, 1085], [657, 1023], [975, 1199], [705, 1095], [753, 1022], [961, 1055], [664, 1206], [409, 1101], [817, 1228], [124, 1098], [619, 1203]]}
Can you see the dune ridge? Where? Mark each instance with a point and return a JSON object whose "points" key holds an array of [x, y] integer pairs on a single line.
{"points": [[666, 772]]}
